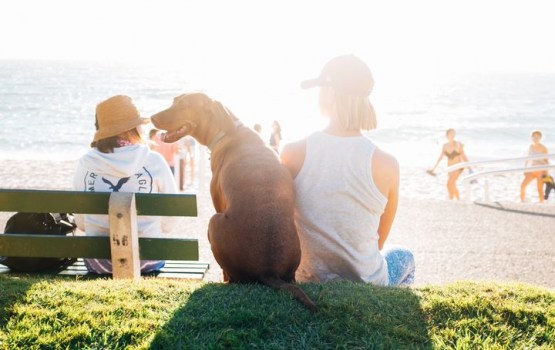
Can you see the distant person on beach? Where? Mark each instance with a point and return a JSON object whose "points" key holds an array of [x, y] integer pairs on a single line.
{"points": [[187, 152], [152, 144], [120, 161], [454, 151], [345, 205], [535, 148], [275, 136], [167, 150]]}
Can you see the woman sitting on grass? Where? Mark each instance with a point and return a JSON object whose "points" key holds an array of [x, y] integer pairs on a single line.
{"points": [[346, 188], [120, 161]]}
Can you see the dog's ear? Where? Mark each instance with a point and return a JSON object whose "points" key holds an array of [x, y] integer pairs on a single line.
{"points": [[223, 117]]}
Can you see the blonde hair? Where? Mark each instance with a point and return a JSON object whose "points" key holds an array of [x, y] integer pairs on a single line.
{"points": [[352, 112]]}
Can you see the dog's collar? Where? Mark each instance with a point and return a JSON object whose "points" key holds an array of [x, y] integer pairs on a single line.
{"points": [[220, 135]]}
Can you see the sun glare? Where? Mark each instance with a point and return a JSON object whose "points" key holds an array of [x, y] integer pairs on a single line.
{"points": [[252, 55]]}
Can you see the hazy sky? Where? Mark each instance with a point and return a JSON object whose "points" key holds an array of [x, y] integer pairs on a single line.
{"points": [[252, 54], [264, 36]]}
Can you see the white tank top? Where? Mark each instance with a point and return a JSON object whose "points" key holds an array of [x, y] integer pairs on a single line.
{"points": [[338, 211]]}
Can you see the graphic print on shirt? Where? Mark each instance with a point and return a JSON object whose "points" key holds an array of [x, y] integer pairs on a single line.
{"points": [[140, 182], [117, 186]]}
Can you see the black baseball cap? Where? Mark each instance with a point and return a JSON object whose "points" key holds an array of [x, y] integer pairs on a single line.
{"points": [[347, 74]]}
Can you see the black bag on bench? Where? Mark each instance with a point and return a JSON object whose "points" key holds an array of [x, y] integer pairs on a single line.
{"points": [[41, 224]]}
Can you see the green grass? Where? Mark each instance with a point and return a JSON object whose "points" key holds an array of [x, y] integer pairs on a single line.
{"points": [[162, 314]]}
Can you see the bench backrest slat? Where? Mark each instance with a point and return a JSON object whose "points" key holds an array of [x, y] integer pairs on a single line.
{"points": [[93, 247], [43, 201]]}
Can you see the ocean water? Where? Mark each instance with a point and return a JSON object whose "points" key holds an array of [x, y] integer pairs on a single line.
{"points": [[47, 108], [493, 115]]}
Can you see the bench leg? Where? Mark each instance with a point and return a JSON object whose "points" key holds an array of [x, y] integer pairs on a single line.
{"points": [[124, 237]]}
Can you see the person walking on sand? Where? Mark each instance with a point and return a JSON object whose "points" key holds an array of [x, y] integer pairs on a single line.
{"points": [[120, 161], [345, 206], [168, 150], [536, 147], [152, 139], [187, 152], [454, 151]]}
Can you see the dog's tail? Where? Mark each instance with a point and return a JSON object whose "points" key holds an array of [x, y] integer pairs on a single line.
{"points": [[279, 284]]}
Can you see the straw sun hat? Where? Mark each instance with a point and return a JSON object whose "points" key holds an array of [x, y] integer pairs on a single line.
{"points": [[116, 115]]}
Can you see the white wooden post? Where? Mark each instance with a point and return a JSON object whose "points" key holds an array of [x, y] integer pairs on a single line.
{"points": [[124, 237]]}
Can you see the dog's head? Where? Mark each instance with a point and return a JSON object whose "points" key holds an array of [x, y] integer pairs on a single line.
{"points": [[194, 114]]}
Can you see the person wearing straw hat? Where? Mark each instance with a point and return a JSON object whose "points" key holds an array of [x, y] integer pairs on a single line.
{"points": [[120, 161], [346, 187]]}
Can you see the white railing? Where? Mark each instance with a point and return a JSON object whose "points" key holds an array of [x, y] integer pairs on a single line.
{"points": [[484, 174]]}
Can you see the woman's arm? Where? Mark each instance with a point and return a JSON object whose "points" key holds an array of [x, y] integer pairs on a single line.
{"points": [[438, 160], [385, 171]]}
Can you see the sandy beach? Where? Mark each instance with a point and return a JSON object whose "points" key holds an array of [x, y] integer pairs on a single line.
{"points": [[496, 241]]}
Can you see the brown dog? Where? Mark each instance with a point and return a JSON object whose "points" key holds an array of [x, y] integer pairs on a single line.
{"points": [[253, 235]]}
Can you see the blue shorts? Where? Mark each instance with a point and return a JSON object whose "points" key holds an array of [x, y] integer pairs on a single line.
{"points": [[400, 265]]}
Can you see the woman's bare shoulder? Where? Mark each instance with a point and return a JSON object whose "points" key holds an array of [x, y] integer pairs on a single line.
{"points": [[294, 146], [385, 161], [292, 156], [385, 172]]}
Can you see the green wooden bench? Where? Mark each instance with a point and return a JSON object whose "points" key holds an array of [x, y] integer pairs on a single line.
{"points": [[123, 246]]}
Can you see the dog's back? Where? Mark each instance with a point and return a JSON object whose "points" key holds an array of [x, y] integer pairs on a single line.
{"points": [[253, 234], [256, 195], [256, 223]]}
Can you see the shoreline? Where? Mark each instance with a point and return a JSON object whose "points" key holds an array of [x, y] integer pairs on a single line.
{"points": [[415, 182], [497, 241]]}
